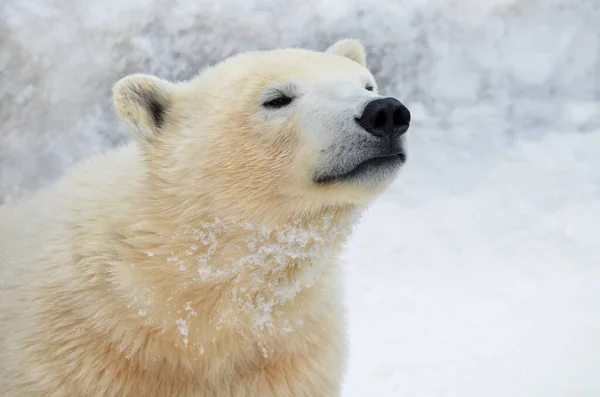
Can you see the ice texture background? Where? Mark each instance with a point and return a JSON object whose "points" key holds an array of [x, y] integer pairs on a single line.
{"points": [[478, 272]]}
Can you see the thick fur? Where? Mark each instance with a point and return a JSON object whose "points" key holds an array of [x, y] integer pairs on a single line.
{"points": [[199, 260]]}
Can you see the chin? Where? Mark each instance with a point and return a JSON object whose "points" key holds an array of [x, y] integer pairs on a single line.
{"points": [[364, 182]]}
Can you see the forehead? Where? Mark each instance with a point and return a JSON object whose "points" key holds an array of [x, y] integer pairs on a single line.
{"points": [[259, 69]]}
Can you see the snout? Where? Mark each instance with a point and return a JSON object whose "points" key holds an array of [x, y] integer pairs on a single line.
{"points": [[385, 117], [368, 159]]}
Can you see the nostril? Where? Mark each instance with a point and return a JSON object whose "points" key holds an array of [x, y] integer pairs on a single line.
{"points": [[380, 120], [399, 119]]}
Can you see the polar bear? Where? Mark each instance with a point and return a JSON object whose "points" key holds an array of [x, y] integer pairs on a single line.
{"points": [[200, 259]]}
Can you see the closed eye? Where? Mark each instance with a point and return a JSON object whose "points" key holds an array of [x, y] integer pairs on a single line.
{"points": [[279, 102]]}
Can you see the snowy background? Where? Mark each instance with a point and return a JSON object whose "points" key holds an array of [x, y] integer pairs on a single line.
{"points": [[478, 273]]}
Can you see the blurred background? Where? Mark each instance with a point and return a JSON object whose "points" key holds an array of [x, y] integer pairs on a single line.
{"points": [[478, 272]]}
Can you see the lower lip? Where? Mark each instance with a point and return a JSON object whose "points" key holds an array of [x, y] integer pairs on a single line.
{"points": [[377, 161], [374, 162]]}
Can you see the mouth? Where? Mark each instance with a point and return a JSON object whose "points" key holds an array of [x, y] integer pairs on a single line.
{"points": [[370, 167]]}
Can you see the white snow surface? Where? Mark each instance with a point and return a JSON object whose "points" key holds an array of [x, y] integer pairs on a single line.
{"points": [[478, 272]]}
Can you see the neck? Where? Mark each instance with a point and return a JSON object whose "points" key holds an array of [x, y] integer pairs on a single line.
{"points": [[241, 274]]}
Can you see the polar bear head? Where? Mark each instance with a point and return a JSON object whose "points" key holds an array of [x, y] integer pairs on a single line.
{"points": [[289, 129]]}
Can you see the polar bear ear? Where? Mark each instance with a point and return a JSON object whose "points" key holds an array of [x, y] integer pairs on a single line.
{"points": [[143, 102], [351, 49]]}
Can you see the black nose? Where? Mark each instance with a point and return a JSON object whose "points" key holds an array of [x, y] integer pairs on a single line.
{"points": [[385, 117]]}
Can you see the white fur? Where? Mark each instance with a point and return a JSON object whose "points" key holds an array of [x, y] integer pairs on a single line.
{"points": [[199, 260]]}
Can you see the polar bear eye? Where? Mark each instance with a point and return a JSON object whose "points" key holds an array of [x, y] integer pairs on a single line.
{"points": [[369, 87], [278, 102]]}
